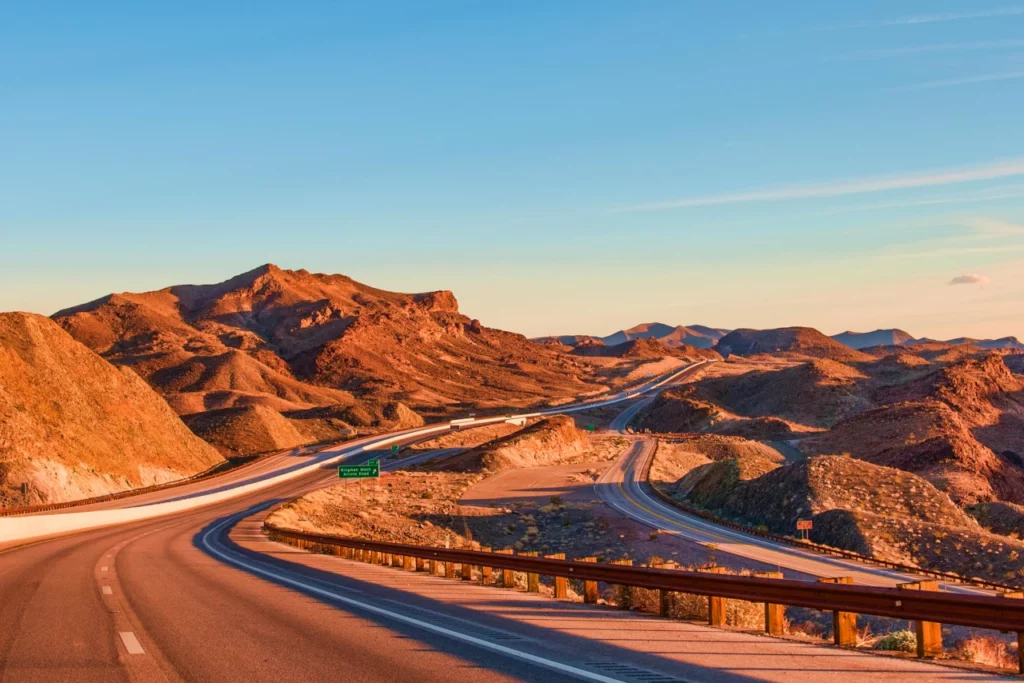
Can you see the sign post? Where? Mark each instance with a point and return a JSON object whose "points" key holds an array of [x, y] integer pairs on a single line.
{"points": [[803, 526]]}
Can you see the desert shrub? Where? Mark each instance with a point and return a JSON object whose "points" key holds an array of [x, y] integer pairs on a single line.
{"points": [[898, 641], [986, 650]]}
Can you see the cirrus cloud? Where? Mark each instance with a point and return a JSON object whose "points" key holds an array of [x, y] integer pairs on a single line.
{"points": [[970, 279]]}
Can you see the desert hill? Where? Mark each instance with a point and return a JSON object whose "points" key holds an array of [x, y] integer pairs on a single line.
{"points": [[700, 336], [569, 340], [863, 340], [879, 511], [818, 393], [802, 341], [74, 426], [644, 347], [550, 441], [294, 340]]}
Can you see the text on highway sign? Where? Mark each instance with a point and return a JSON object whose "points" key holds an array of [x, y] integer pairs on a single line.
{"points": [[369, 470]]}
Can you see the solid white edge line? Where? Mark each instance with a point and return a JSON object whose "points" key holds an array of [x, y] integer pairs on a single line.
{"points": [[131, 643], [525, 656]]}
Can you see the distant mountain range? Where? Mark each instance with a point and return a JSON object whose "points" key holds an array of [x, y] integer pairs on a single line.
{"points": [[896, 337], [701, 336]]}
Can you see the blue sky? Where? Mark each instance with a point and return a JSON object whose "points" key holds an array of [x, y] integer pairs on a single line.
{"points": [[563, 167]]}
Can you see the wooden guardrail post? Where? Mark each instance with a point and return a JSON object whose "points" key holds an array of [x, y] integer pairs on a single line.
{"points": [[929, 633], [774, 615], [508, 576], [589, 587], [666, 599], [409, 564], [844, 624], [1018, 595], [432, 567], [485, 570], [717, 605], [449, 570], [532, 578], [561, 582], [623, 594]]}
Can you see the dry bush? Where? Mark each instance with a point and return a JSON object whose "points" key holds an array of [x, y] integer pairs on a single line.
{"points": [[903, 640], [987, 650]]}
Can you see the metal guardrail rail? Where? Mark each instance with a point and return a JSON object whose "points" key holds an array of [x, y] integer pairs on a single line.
{"points": [[981, 611], [819, 548]]}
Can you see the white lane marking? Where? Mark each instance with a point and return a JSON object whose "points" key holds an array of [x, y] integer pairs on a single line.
{"points": [[103, 569], [533, 659], [131, 643], [107, 590]]}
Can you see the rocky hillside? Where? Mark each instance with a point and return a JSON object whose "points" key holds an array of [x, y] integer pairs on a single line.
{"points": [[74, 426], [552, 441], [251, 429], [802, 341], [294, 340], [880, 511]]}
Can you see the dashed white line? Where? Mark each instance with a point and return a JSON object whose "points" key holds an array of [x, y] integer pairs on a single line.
{"points": [[131, 643], [103, 569], [107, 590]]}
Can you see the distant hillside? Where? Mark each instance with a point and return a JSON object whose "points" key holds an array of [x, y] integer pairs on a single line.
{"points": [[1011, 343], [804, 341], [863, 340], [73, 426], [699, 336], [568, 340], [643, 348], [294, 340]]}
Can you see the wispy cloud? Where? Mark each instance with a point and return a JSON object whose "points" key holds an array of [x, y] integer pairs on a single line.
{"points": [[970, 279], [993, 226], [989, 171], [913, 50], [930, 18], [953, 82], [987, 195]]}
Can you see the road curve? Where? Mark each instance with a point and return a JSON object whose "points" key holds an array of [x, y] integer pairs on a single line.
{"points": [[624, 487]]}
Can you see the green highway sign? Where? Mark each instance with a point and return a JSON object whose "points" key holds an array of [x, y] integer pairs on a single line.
{"points": [[368, 471], [590, 428], [394, 449]]}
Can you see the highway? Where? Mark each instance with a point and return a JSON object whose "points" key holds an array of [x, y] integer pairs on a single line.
{"points": [[624, 488], [200, 595]]}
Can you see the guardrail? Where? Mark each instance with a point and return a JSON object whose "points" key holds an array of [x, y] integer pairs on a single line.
{"points": [[917, 601], [817, 547]]}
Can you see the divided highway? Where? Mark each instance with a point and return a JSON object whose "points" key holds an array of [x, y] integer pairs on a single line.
{"points": [[200, 595]]}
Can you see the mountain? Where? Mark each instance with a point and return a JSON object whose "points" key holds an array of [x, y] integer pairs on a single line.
{"points": [[1003, 343], [295, 340], [643, 348], [695, 335], [897, 337], [73, 426], [863, 340], [803, 341]]}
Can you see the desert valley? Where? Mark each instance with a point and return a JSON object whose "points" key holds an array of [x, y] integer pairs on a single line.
{"points": [[903, 450]]}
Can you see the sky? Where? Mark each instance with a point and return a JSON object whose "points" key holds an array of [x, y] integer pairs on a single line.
{"points": [[565, 167]]}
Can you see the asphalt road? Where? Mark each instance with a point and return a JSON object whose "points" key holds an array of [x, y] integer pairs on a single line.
{"points": [[181, 598]]}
